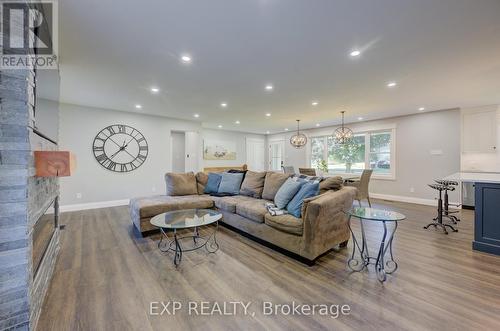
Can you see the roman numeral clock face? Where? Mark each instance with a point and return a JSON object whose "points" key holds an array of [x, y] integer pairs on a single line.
{"points": [[120, 148]]}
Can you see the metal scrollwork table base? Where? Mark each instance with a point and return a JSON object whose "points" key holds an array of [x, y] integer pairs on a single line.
{"points": [[360, 258]]}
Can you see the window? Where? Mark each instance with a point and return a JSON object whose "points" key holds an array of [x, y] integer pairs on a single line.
{"points": [[380, 152], [348, 157], [368, 150]]}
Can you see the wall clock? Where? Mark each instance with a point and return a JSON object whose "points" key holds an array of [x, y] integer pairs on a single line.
{"points": [[120, 148]]}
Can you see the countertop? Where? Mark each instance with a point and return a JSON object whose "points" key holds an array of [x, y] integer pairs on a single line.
{"points": [[475, 177]]}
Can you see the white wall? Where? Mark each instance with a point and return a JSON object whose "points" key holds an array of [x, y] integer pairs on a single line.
{"points": [[483, 162], [237, 137], [78, 127], [46, 118], [416, 136]]}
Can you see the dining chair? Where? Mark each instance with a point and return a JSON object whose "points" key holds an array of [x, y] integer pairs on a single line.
{"points": [[307, 171], [362, 186], [288, 170]]}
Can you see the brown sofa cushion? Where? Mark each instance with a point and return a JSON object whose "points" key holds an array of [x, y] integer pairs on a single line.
{"points": [[254, 209], [330, 183], [201, 181], [181, 184], [253, 184], [286, 223], [229, 203], [272, 184], [155, 205]]}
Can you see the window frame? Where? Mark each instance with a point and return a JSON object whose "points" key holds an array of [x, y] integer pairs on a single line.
{"points": [[366, 133]]}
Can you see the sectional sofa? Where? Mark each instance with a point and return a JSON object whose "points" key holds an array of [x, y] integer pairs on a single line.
{"points": [[321, 227]]}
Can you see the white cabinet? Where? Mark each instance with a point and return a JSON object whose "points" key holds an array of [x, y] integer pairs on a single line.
{"points": [[479, 131]]}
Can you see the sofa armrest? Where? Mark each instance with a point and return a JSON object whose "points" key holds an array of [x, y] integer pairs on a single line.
{"points": [[325, 221]]}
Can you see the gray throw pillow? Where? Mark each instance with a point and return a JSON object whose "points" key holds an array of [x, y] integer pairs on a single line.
{"points": [[286, 192], [253, 184], [331, 183], [181, 184], [201, 181], [230, 183], [272, 184]]}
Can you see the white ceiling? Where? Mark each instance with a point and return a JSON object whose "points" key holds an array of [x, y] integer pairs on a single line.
{"points": [[443, 54]]}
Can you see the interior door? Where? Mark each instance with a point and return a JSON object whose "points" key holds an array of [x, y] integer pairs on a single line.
{"points": [[276, 155], [255, 154]]}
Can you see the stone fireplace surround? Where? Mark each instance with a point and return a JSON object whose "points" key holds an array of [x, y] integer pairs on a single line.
{"points": [[23, 200]]}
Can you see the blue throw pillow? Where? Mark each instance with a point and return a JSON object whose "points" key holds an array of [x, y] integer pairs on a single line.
{"points": [[230, 183], [286, 192], [213, 183], [307, 190]]}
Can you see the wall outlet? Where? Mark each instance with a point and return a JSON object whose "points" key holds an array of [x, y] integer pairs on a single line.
{"points": [[78, 195], [153, 189], [412, 189]]}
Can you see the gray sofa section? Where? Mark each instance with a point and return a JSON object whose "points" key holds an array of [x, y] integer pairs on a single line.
{"points": [[323, 224]]}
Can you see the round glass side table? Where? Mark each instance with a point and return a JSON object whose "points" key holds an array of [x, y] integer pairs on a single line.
{"points": [[383, 266], [186, 219]]}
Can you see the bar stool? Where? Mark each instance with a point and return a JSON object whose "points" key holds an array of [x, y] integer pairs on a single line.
{"points": [[438, 221], [450, 186]]}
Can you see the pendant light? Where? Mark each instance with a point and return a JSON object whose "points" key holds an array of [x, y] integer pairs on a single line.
{"points": [[343, 134], [298, 140]]}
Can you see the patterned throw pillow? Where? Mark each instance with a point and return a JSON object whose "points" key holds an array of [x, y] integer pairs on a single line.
{"points": [[307, 178]]}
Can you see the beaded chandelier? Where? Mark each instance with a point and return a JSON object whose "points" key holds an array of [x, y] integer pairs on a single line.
{"points": [[342, 135], [298, 140]]}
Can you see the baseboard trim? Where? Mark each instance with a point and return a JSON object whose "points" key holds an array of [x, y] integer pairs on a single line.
{"points": [[401, 198], [94, 205], [124, 202]]}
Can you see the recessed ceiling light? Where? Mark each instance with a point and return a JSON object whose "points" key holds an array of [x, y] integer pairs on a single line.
{"points": [[138, 106], [196, 115], [314, 103], [223, 104], [391, 84], [421, 108], [267, 132], [317, 124], [269, 87], [155, 90], [219, 126], [237, 122], [268, 114], [355, 53], [186, 58], [360, 118], [286, 129]]}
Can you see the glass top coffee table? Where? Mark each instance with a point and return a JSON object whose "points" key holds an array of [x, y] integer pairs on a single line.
{"points": [[187, 219], [382, 266]]}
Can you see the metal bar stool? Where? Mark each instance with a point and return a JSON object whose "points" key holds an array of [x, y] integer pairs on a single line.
{"points": [[438, 221], [450, 186]]}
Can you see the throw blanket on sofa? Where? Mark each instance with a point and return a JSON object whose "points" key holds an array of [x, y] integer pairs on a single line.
{"points": [[273, 210]]}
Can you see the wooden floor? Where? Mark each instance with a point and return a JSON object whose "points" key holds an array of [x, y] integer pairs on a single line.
{"points": [[107, 276]]}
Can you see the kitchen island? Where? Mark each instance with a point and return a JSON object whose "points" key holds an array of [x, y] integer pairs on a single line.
{"points": [[487, 209]]}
